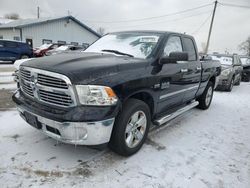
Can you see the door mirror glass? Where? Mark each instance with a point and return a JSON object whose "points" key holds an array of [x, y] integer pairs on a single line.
{"points": [[174, 57]]}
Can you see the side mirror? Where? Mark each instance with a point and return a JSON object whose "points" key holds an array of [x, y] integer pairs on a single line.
{"points": [[1, 46], [174, 57]]}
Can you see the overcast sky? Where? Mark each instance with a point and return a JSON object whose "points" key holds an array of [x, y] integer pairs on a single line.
{"points": [[231, 26]]}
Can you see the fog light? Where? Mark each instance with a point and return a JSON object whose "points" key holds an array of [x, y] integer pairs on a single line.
{"points": [[74, 132]]}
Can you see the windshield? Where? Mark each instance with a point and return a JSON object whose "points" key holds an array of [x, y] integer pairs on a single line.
{"points": [[139, 45], [224, 60], [245, 60], [62, 48]]}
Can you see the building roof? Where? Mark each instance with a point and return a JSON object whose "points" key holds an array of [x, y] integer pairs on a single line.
{"points": [[5, 20], [31, 22]]}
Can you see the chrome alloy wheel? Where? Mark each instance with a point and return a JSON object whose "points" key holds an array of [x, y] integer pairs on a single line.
{"points": [[135, 129], [209, 95]]}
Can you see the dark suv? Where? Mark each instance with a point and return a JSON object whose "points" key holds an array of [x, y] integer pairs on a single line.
{"points": [[13, 50]]}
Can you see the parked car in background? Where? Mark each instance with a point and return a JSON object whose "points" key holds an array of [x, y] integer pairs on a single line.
{"points": [[40, 51], [63, 48], [114, 90], [245, 60], [13, 50], [231, 71]]}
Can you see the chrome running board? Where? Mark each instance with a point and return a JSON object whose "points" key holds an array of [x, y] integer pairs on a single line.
{"points": [[169, 117]]}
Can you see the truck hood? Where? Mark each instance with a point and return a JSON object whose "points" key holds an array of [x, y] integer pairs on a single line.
{"points": [[83, 67]]}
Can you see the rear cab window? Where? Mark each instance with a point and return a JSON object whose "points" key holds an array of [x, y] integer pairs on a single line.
{"points": [[189, 47]]}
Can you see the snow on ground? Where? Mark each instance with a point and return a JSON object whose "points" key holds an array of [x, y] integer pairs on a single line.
{"points": [[199, 149], [6, 77]]}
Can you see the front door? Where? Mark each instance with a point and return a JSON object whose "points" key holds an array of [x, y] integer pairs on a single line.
{"points": [[171, 77]]}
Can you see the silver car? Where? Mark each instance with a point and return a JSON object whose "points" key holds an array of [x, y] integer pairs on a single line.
{"points": [[231, 71]]}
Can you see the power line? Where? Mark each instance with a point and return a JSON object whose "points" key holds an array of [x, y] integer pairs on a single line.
{"points": [[165, 21], [234, 5], [150, 18], [199, 28]]}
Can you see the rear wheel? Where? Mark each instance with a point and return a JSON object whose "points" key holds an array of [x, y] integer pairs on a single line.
{"points": [[131, 128], [206, 98]]}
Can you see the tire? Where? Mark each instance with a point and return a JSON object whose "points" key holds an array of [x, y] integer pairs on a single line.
{"points": [[231, 85], [126, 139], [24, 57], [238, 83], [206, 98]]}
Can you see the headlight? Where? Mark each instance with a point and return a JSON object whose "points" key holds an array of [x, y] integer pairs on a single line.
{"points": [[96, 95], [226, 72]]}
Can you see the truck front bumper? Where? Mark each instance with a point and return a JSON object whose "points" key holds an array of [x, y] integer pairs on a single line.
{"points": [[78, 133]]}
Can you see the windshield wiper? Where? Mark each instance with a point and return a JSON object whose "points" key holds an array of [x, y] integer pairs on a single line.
{"points": [[117, 52]]}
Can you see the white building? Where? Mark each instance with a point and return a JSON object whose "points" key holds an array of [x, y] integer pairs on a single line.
{"points": [[66, 30]]}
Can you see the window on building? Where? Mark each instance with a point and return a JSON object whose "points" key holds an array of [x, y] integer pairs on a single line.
{"points": [[1, 44], [61, 42], [190, 49], [74, 43], [17, 38], [1, 36], [47, 41]]}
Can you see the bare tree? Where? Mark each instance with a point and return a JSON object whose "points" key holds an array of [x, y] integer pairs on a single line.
{"points": [[101, 31], [245, 46], [13, 16]]}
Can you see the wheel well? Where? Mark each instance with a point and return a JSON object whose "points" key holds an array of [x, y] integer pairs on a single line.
{"points": [[147, 98], [212, 79]]}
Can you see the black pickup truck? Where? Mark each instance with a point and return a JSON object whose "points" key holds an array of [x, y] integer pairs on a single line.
{"points": [[116, 90]]}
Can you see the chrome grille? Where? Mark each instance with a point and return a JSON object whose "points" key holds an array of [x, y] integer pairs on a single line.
{"points": [[27, 88], [57, 98], [25, 75], [51, 81], [47, 87]]}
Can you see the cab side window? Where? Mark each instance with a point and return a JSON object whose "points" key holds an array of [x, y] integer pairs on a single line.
{"points": [[10, 44], [173, 45], [190, 49]]}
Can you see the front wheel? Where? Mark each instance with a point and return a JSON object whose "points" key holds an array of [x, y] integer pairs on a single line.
{"points": [[206, 98], [231, 85], [24, 57], [131, 128], [238, 82]]}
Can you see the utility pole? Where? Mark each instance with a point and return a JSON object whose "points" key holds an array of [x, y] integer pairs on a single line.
{"points": [[38, 12], [211, 27]]}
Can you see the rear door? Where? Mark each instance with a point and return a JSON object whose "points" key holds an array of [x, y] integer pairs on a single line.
{"points": [[193, 77], [12, 52], [171, 77]]}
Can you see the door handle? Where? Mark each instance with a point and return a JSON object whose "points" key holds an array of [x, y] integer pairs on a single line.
{"points": [[198, 68], [184, 70]]}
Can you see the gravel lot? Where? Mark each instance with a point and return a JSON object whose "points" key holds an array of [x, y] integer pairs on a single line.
{"points": [[199, 149]]}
